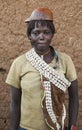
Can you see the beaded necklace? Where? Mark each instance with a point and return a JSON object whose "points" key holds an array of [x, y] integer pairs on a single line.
{"points": [[42, 55]]}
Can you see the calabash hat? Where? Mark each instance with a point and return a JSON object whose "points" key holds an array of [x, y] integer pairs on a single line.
{"points": [[40, 14]]}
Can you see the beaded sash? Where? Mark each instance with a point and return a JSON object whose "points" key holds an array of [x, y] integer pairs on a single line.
{"points": [[51, 74], [54, 85]]}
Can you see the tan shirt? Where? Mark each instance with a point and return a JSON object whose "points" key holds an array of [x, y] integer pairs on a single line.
{"points": [[23, 75]]}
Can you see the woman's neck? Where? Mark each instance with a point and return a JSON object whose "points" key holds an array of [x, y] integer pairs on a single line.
{"points": [[46, 55], [42, 52]]}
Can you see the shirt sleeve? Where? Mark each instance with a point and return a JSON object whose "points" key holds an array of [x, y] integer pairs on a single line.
{"points": [[70, 69], [13, 77]]}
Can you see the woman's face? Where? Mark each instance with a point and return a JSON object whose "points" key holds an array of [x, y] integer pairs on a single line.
{"points": [[41, 37]]}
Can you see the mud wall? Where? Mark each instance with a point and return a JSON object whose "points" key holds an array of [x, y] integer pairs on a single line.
{"points": [[13, 40]]}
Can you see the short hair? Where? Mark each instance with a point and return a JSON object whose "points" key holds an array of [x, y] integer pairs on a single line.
{"points": [[48, 23]]}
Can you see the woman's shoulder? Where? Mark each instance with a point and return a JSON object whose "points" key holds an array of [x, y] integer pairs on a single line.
{"points": [[20, 60], [63, 55], [22, 57]]}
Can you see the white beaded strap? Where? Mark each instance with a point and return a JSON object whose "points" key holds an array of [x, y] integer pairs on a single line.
{"points": [[49, 107], [51, 74]]}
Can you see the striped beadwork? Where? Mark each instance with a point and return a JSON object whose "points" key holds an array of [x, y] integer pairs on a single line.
{"points": [[56, 78]]}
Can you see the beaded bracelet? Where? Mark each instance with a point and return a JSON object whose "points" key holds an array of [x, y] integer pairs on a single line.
{"points": [[72, 127]]}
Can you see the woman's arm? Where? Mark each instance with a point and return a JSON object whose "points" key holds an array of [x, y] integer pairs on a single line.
{"points": [[15, 108], [73, 103]]}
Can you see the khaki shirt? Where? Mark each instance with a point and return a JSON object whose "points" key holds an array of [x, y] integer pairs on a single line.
{"points": [[23, 75]]}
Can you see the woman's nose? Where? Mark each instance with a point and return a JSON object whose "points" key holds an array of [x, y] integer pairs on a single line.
{"points": [[41, 36]]}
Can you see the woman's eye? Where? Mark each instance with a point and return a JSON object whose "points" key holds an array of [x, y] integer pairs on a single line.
{"points": [[47, 32], [35, 33]]}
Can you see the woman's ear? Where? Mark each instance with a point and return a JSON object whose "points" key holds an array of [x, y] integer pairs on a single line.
{"points": [[29, 37], [52, 35]]}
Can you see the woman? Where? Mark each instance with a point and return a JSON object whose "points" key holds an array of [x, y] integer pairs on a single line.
{"points": [[39, 80]]}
